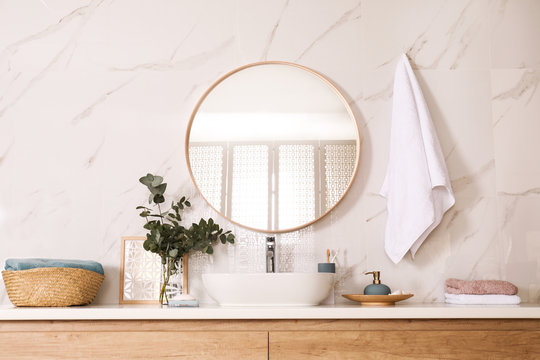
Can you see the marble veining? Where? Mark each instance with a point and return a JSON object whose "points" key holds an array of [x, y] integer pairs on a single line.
{"points": [[88, 111], [273, 32], [83, 13], [188, 63], [461, 182], [349, 15], [94, 94], [452, 35], [528, 83], [62, 22]]}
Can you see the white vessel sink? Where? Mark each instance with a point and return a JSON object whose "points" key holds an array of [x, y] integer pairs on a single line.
{"points": [[274, 289]]}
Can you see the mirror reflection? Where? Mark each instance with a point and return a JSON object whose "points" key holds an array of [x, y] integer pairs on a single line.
{"points": [[273, 146]]}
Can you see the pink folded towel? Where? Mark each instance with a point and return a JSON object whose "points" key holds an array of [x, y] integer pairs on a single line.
{"points": [[480, 287]]}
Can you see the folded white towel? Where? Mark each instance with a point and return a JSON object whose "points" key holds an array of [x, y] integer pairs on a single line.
{"points": [[466, 299], [417, 186]]}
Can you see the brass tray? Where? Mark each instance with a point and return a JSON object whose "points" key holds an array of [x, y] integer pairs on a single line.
{"points": [[377, 300]]}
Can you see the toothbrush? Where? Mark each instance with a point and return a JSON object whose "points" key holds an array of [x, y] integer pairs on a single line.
{"points": [[335, 256]]}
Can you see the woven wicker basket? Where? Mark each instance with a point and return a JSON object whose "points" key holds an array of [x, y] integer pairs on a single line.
{"points": [[53, 286]]}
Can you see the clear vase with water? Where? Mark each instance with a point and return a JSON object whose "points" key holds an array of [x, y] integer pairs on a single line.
{"points": [[171, 280]]}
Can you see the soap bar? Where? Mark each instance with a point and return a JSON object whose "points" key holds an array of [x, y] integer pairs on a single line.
{"points": [[184, 297], [183, 303]]}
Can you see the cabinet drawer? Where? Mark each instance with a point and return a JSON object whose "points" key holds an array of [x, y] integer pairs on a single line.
{"points": [[391, 344], [134, 345]]}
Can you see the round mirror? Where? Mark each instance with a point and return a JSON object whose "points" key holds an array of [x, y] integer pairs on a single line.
{"points": [[273, 146]]}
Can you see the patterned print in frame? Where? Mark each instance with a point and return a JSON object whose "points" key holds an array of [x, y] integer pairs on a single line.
{"points": [[140, 273]]}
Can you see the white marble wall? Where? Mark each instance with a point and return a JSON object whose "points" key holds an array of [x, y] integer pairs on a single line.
{"points": [[93, 94]]}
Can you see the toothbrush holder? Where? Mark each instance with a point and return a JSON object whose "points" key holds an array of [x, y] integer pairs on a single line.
{"points": [[326, 267]]}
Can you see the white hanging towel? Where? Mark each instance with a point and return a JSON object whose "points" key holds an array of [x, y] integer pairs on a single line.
{"points": [[417, 187]]}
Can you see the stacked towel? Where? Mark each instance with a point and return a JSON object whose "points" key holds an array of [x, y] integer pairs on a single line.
{"points": [[481, 292], [480, 287], [465, 299]]}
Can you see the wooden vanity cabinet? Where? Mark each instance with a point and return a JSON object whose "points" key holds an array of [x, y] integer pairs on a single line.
{"points": [[412, 339], [271, 339]]}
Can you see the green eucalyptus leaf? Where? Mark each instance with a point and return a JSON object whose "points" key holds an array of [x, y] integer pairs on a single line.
{"points": [[147, 180], [160, 189], [146, 244], [187, 203], [173, 253], [156, 181], [209, 250], [159, 199], [156, 235]]}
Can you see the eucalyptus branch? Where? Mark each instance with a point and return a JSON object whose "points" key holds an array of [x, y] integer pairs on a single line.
{"points": [[160, 213], [167, 237]]}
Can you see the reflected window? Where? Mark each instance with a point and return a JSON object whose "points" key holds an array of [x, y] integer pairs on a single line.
{"points": [[249, 184], [297, 190], [209, 170], [273, 185]]}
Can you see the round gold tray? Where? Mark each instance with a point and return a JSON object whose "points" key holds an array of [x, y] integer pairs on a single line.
{"points": [[377, 300]]}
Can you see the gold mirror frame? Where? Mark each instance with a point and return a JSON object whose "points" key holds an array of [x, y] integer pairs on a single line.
{"points": [[321, 77]]}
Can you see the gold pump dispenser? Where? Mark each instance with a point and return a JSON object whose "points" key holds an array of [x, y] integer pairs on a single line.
{"points": [[376, 276]]}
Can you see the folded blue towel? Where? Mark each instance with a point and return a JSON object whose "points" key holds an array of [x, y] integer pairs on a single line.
{"points": [[26, 264]]}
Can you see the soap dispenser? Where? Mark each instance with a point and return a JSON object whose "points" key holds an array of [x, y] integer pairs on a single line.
{"points": [[376, 288]]}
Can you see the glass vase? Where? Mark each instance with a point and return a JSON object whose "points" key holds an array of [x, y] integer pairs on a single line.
{"points": [[171, 280]]}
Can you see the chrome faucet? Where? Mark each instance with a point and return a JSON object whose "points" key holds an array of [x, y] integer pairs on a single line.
{"points": [[270, 254]]}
